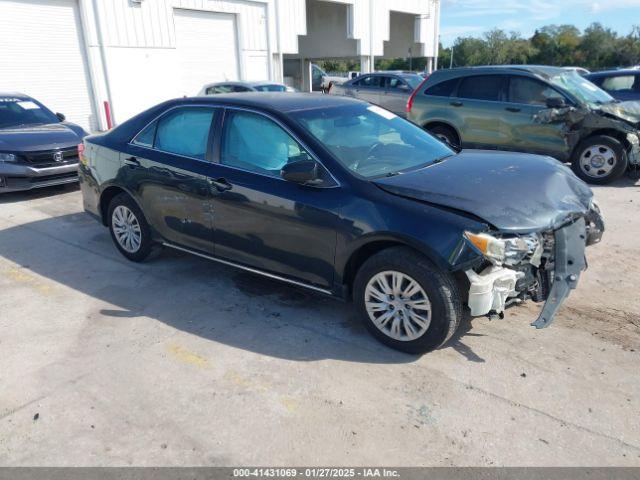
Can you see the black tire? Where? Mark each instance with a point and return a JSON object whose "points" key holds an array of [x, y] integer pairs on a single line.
{"points": [[588, 173], [146, 243], [445, 133], [440, 287]]}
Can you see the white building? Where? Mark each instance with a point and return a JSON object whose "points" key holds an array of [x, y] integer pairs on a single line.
{"points": [[91, 59]]}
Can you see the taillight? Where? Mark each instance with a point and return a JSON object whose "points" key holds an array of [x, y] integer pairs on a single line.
{"points": [[413, 95], [81, 156]]}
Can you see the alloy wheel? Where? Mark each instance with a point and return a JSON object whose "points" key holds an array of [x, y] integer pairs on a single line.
{"points": [[397, 305], [126, 228]]}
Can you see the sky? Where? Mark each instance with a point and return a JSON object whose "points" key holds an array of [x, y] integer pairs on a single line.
{"points": [[473, 17]]}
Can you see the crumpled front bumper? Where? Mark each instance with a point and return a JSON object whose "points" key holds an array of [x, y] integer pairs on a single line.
{"points": [[492, 289]]}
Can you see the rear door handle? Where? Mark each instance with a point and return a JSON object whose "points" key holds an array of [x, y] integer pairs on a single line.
{"points": [[132, 162], [513, 109], [455, 103], [221, 184]]}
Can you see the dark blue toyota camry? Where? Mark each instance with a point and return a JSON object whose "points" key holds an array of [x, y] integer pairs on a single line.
{"points": [[38, 148], [344, 198]]}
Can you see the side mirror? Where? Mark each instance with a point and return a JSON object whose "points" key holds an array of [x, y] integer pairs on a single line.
{"points": [[556, 102], [61, 117], [303, 171]]}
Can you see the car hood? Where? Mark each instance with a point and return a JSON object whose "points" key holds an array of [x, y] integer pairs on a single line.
{"points": [[39, 137], [627, 111], [514, 192]]}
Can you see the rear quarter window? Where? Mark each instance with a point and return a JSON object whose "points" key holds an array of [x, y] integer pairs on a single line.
{"points": [[442, 89]]}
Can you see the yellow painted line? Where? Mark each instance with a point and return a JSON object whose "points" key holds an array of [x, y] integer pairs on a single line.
{"points": [[185, 356], [20, 275]]}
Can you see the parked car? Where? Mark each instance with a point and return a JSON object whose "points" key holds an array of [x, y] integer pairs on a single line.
{"points": [[321, 81], [38, 148], [535, 109], [347, 199], [238, 87], [390, 90], [620, 84]]}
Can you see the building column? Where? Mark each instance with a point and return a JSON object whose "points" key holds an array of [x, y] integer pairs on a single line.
{"points": [[365, 64]]}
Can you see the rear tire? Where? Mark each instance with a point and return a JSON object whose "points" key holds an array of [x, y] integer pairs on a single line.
{"points": [[411, 317], [446, 134], [129, 229], [599, 159]]}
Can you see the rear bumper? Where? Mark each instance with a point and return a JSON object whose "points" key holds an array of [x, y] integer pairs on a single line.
{"points": [[15, 177]]}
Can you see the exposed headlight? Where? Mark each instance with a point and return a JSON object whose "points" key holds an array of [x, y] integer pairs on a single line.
{"points": [[7, 157], [504, 250]]}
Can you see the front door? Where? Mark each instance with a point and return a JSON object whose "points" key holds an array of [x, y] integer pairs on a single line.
{"points": [[527, 97], [263, 221], [369, 88], [166, 165], [395, 95]]}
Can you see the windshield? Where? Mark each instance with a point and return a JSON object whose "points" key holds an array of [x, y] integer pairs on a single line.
{"points": [[23, 111], [371, 141], [270, 88], [582, 89], [414, 81]]}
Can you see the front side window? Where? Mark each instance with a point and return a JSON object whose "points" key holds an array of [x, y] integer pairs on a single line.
{"points": [[581, 88], [185, 131], [481, 87], [370, 141], [271, 88], [394, 83], [530, 92], [255, 143]]}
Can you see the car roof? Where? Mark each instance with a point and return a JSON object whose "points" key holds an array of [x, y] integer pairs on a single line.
{"points": [[614, 73], [243, 83], [541, 70], [277, 101], [13, 95]]}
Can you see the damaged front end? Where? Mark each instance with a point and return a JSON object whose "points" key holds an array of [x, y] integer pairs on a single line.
{"points": [[541, 266]]}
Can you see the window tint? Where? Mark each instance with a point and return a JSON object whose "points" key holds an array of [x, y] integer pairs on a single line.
{"points": [[622, 82], [443, 89], [185, 132], [394, 82], [370, 81], [481, 87], [145, 137], [255, 143], [531, 92]]}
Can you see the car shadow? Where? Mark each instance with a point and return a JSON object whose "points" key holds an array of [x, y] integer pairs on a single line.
{"points": [[44, 192], [203, 298]]}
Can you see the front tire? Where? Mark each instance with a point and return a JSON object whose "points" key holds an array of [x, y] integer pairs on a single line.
{"points": [[599, 159], [406, 302], [446, 134], [129, 229]]}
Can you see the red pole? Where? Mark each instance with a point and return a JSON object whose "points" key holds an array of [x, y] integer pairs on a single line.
{"points": [[107, 113]]}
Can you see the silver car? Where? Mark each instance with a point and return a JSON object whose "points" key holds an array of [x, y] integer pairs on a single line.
{"points": [[390, 90], [235, 87]]}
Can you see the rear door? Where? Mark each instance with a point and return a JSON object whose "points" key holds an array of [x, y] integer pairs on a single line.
{"points": [[526, 97], [167, 166], [479, 103]]}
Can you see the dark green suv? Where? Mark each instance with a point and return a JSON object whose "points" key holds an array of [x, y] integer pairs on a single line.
{"points": [[535, 109]]}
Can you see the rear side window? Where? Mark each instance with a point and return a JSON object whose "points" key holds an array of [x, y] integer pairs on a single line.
{"points": [[621, 82], [185, 131], [481, 87], [530, 92], [443, 89]]}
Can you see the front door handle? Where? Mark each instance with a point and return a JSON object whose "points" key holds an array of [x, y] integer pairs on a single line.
{"points": [[455, 103], [513, 109], [221, 184], [132, 162]]}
